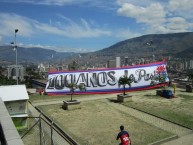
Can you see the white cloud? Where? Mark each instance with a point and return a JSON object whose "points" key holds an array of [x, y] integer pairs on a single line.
{"points": [[102, 4], [172, 25], [136, 2], [45, 2], [10, 22], [127, 34], [27, 27], [181, 4], [178, 24], [159, 17], [153, 14], [107, 4], [84, 29], [73, 30], [55, 2], [182, 8]]}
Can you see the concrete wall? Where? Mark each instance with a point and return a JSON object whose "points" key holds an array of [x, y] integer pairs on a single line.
{"points": [[8, 133]]}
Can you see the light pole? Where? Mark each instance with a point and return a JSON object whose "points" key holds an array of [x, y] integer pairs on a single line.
{"points": [[15, 48]]}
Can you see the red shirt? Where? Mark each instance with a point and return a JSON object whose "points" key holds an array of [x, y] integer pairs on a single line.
{"points": [[124, 137]]}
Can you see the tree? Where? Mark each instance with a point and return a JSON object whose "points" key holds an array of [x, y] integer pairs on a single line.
{"points": [[30, 74], [123, 81], [5, 81], [73, 87], [190, 77], [1, 71], [159, 78]]}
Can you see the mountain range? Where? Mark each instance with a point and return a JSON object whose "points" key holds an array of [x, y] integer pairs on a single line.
{"points": [[178, 45], [32, 55]]}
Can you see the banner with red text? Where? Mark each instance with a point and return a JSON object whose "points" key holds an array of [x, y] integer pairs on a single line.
{"points": [[106, 80]]}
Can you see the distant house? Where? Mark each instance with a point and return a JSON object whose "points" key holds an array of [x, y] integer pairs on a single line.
{"points": [[15, 98], [41, 68]]}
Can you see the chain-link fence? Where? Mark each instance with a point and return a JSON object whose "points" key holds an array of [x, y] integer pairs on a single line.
{"points": [[44, 132]]}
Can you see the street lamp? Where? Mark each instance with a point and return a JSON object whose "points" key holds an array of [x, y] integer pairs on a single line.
{"points": [[15, 48]]}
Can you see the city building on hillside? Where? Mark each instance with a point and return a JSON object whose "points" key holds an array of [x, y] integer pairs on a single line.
{"points": [[41, 68], [111, 64], [3, 71], [118, 62], [73, 66], [126, 61], [15, 71]]}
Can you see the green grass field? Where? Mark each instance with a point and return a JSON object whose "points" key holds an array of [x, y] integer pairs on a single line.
{"points": [[97, 123], [178, 110]]}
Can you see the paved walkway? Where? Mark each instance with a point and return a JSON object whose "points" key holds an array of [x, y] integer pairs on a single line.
{"points": [[103, 96], [184, 140], [160, 123], [185, 136]]}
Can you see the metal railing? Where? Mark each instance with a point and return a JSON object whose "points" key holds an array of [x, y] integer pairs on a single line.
{"points": [[43, 131]]}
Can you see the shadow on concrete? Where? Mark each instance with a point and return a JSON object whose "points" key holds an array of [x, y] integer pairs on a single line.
{"points": [[150, 95], [113, 100], [182, 91]]}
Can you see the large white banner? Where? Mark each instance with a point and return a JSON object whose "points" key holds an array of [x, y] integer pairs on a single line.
{"points": [[106, 80]]}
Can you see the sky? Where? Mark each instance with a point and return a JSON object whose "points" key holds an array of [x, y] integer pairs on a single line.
{"points": [[89, 25]]}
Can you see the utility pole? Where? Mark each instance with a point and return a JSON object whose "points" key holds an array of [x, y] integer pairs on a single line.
{"points": [[15, 48]]}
